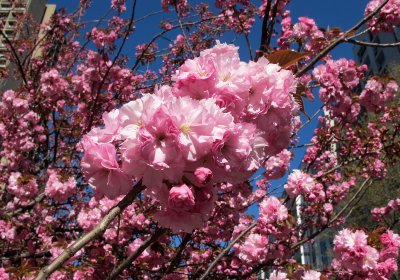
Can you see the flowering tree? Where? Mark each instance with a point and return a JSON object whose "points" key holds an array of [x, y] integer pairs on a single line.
{"points": [[112, 170]]}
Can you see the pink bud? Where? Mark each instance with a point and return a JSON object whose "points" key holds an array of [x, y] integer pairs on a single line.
{"points": [[203, 175]]}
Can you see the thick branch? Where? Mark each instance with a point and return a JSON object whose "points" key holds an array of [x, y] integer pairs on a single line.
{"points": [[338, 41], [137, 253], [179, 252], [93, 234], [226, 250]]}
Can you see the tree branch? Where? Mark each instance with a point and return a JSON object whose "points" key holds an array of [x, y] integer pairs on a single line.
{"points": [[226, 250], [370, 44], [14, 52], [179, 252], [93, 234], [137, 253], [93, 107], [338, 41]]}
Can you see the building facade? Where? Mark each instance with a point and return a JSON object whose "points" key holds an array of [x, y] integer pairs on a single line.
{"points": [[10, 12], [378, 60]]}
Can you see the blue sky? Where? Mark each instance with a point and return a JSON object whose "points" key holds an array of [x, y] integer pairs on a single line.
{"points": [[326, 13]]}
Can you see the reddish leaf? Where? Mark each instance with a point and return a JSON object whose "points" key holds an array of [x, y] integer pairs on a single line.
{"points": [[299, 99], [286, 58]]}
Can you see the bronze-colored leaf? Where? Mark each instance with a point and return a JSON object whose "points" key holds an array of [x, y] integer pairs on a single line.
{"points": [[286, 58], [374, 237], [299, 99], [335, 30], [350, 33]]}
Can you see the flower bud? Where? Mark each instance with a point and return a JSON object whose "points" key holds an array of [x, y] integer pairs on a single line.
{"points": [[203, 175]]}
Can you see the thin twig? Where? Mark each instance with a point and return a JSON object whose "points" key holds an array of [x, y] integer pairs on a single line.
{"points": [[179, 252], [161, 34], [14, 52], [129, 29], [136, 254], [226, 250], [183, 30], [370, 44], [363, 185], [337, 216]]}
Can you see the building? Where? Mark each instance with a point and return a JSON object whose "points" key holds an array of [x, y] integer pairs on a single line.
{"points": [[378, 60], [10, 12]]}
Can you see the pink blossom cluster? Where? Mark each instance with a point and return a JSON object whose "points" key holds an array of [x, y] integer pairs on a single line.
{"points": [[306, 28], [337, 80], [54, 87], [119, 5], [338, 191], [280, 9], [146, 52], [8, 232], [95, 209], [59, 187], [388, 17], [276, 166], [278, 275], [272, 211], [181, 6], [149, 256], [3, 274], [354, 256], [22, 186], [254, 249], [238, 15], [254, 92], [380, 213], [305, 31], [377, 94], [20, 131], [174, 134], [102, 38], [299, 183]]}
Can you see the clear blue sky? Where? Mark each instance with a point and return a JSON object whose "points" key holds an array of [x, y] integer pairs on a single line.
{"points": [[326, 13]]}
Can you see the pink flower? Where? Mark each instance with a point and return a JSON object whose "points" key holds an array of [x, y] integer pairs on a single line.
{"points": [[306, 28], [103, 38], [387, 18], [156, 153], [3, 274], [277, 275], [311, 275], [102, 170], [376, 95], [118, 5]]}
